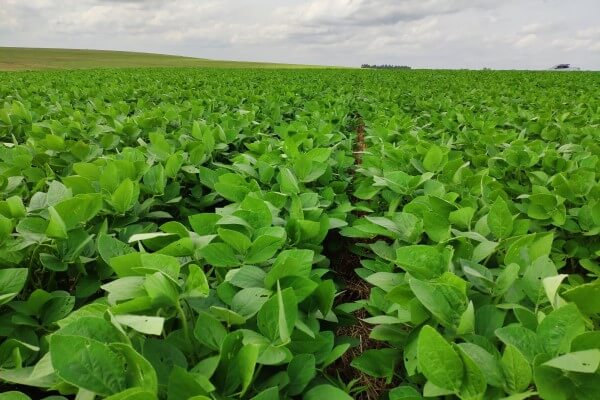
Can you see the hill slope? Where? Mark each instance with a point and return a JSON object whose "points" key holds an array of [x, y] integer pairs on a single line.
{"points": [[21, 58]]}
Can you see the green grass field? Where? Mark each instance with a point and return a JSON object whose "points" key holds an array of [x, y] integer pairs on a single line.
{"points": [[19, 59]]}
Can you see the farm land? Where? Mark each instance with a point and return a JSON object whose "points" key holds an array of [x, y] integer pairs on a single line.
{"points": [[208, 233]]}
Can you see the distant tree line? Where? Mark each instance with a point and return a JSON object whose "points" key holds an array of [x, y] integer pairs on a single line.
{"points": [[385, 66]]}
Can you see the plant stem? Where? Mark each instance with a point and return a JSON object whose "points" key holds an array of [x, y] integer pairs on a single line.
{"points": [[184, 323]]}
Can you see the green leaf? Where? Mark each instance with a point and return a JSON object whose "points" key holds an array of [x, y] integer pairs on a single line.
{"points": [[326, 391], [325, 294], [219, 255], [287, 311], [446, 302], [277, 316], [421, 261], [559, 328], [516, 370], [16, 207], [379, 363], [56, 226], [263, 248], [235, 239], [161, 289], [433, 159], [196, 284], [293, 262], [41, 375], [125, 196], [586, 361], [586, 297], [288, 182], [155, 180], [88, 364], [336, 353], [248, 302], [499, 219], [438, 361], [109, 247], [241, 369], [246, 277], [404, 393], [473, 384], [92, 327], [184, 385], [14, 395], [525, 340], [141, 323], [80, 209], [12, 281], [164, 357], [204, 224], [131, 394], [138, 371], [209, 331], [506, 279], [488, 364], [140, 264], [301, 371]]}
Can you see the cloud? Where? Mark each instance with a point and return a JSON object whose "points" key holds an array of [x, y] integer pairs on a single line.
{"points": [[377, 12], [436, 33], [134, 17], [527, 40]]}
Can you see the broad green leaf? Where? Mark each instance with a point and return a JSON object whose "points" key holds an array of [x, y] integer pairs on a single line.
{"points": [[433, 159], [88, 364], [138, 371], [209, 331], [12, 281], [184, 385], [379, 363], [161, 289], [288, 181], [219, 255], [586, 297], [586, 361], [473, 383], [523, 339], [262, 249], [559, 328], [196, 284], [141, 323], [516, 370], [301, 371], [56, 226], [445, 302], [500, 219], [326, 391], [421, 261], [277, 316], [488, 364], [125, 196], [438, 361], [235, 239]]}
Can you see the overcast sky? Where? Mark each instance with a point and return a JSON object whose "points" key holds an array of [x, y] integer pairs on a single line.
{"points": [[420, 33]]}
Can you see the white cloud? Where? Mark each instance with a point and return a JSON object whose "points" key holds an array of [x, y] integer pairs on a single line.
{"points": [[378, 12], [526, 40]]}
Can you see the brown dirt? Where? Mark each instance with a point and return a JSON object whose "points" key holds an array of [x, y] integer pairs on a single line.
{"points": [[343, 262], [372, 388], [360, 146]]}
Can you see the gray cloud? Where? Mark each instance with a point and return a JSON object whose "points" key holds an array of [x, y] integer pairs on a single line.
{"points": [[380, 12], [422, 33]]}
